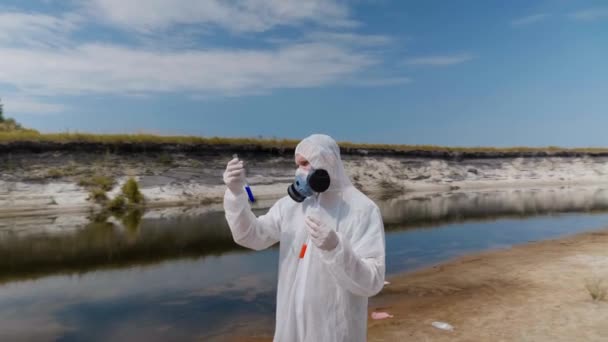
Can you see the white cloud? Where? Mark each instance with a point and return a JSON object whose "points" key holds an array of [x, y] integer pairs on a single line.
{"points": [[28, 29], [40, 56], [590, 14], [95, 68], [528, 20], [443, 60], [232, 15]]}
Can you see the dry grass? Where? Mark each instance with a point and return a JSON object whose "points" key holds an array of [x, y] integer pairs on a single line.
{"points": [[70, 170], [7, 137], [55, 173], [482, 149], [97, 181], [98, 195], [596, 288], [32, 136]]}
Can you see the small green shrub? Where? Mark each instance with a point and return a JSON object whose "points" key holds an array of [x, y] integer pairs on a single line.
{"points": [[131, 192]]}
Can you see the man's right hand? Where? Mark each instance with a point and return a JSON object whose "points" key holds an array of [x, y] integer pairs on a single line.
{"points": [[234, 176]]}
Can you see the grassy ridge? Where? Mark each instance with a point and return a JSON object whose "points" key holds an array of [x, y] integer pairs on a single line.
{"points": [[16, 136], [112, 139]]}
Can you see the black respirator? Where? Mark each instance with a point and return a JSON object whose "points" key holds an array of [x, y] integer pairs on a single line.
{"points": [[306, 184]]}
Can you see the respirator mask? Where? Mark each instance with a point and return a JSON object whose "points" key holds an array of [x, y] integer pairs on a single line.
{"points": [[307, 183]]}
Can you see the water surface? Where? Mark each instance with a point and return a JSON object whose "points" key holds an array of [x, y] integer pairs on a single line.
{"points": [[177, 275]]}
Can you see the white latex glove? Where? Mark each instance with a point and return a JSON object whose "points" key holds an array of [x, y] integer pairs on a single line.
{"points": [[234, 176], [321, 235]]}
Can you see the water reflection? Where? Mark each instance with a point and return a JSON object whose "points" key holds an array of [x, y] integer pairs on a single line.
{"points": [[414, 210], [177, 300], [32, 247]]}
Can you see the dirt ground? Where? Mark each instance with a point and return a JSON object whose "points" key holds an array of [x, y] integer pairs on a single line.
{"points": [[534, 292]]}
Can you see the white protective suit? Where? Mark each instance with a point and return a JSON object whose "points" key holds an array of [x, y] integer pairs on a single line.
{"points": [[324, 296]]}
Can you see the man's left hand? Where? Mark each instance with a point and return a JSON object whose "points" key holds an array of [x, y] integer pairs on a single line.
{"points": [[322, 236]]}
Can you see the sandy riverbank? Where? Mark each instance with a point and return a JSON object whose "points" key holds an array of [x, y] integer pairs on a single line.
{"points": [[534, 292]]}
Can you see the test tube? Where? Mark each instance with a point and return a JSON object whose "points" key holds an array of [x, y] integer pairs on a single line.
{"points": [[247, 188], [305, 244]]}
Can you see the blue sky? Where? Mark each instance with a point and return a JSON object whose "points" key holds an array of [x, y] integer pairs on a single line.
{"points": [[460, 73]]}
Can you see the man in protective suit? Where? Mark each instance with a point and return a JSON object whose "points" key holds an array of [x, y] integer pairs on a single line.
{"points": [[332, 247]]}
